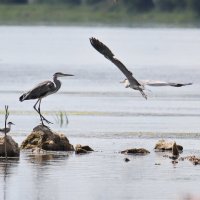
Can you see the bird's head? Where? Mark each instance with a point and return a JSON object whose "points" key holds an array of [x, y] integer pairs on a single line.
{"points": [[124, 81], [60, 74], [10, 123]]}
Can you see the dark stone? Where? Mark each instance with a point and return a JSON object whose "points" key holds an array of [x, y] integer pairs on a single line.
{"points": [[157, 164], [174, 162], [126, 159], [139, 151], [175, 151], [79, 149]]}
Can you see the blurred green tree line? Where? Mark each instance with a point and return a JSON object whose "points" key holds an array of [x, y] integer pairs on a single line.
{"points": [[130, 5]]}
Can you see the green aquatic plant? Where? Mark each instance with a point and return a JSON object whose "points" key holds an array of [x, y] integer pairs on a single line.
{"points": [[61, 118]]}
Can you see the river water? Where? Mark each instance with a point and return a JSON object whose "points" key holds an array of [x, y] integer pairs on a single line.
{"points": [[101, 112]]}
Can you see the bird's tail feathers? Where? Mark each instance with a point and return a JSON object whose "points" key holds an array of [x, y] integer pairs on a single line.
{"points": [[22, 97]]}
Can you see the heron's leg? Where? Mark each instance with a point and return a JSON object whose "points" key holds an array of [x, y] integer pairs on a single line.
{"points": [[143, 94], [38, 111], [42, 117]]}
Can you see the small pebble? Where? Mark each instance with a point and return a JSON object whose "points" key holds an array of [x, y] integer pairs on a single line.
{"points": [[174, 162], [157, 164], [126, 160]]}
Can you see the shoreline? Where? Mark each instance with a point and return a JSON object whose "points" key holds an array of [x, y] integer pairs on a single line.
{"points": [[63, 15]]}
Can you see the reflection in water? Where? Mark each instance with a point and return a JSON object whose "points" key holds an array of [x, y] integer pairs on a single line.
{"points": [[45, 158], [6, 170]]}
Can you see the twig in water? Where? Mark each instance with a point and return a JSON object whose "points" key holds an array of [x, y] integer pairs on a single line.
{"points": [[5, 138]]}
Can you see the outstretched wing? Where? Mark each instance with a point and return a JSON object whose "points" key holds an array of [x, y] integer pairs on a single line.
{"points": [[163, 83], [103, 49]]}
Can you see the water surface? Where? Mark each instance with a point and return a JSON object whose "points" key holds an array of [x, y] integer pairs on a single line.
{"points": [[101, 112]]}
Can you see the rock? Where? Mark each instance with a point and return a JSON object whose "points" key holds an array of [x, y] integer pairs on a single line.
{"points": [[175, 151], [126, 159], [181, 159], [163, 145], [174, 162], [79, 149], [193, 159], [135, 151], [12, 147], [43, 138], [157, 164]]}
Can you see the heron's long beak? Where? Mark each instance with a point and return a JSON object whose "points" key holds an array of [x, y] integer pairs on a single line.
{"points": [[68, 75], [61, 75]]}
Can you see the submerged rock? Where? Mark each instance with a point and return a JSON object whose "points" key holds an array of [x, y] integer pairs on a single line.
{"points": [[38, 150], [11, 146], [163, 145], [79, 149], [43, 138], [139, 151], [174, 162], [193, 159]]}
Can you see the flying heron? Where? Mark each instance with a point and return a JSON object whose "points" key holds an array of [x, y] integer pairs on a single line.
{"points": [[130, 81], [2, 130], [42, 90]]}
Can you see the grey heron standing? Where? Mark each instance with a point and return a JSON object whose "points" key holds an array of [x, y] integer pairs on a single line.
{"points": [[130, 81], [2, 130], [42, 90]]}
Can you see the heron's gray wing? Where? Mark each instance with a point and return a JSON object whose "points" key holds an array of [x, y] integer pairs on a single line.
{"points": [[3, 130], [39, 91], [163, 83], [103, 49]]}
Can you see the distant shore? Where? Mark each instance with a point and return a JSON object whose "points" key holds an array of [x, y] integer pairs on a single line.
{"points": [[87, 16]]}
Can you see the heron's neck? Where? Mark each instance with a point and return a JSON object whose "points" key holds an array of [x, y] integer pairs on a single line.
{"points": [[57, 83]]}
